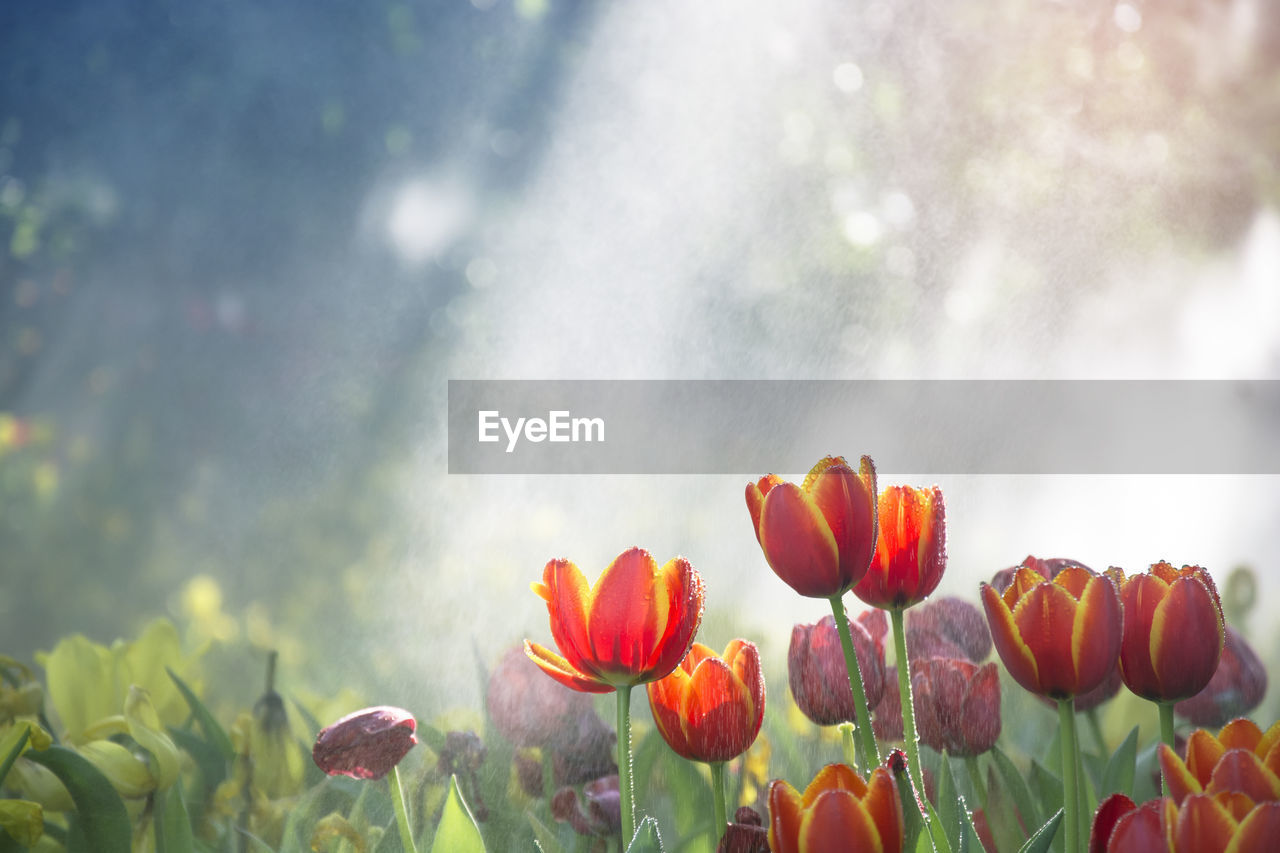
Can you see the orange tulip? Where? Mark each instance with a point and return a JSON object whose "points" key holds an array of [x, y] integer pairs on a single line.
{"points": [[837, 812], [710, 708], [1173, 631], [911, 548], [819, 536], [1241, 759], [1057, 638], [633, 626], [1221, 824]]}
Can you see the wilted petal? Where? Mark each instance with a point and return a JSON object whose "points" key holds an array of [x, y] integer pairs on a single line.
{"points": [[365, 744]]}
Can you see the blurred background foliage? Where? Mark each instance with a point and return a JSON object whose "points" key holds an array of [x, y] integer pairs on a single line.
{"points": [[242, 247]]}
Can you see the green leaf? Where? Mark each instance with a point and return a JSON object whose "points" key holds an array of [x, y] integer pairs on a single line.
{"points": [[1017, 788], [1118, 777], [1040, 840], [173, 824], [948, 810], [18, 735], [941, 844], [1006, 829], [647, 838], [1047, 786], [543, 836], [100, 813], [209, 761], [208, 724], [457, 831], [969, 841]]}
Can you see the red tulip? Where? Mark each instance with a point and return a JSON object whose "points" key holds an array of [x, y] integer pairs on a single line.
{"points": [[365, 744], [1120, 826], [1237, 686], [911, 548], [710, 708], [957, 705], [838, 811], [1173, 631], [1057, 638], [948, 628], [634, 626], [746, 834], [819, 536], [816, 668]]}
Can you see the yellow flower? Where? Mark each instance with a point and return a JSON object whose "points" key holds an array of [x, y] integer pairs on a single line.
{"points": [[23, 820]]}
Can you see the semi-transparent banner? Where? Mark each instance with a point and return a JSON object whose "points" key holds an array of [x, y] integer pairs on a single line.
{"points": [[944, 427]]}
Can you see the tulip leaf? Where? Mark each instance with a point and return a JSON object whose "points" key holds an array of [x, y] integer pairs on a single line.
{"points": [[937, 833], [1040, 841], [948, 810], [543, 836], [209, 761], [1017, 787], [100, 813], [208, 724], [457, 831], [1118, 777], [11, 745], [1007, 827], [173, 824], [647, 838], [1048, 787]]}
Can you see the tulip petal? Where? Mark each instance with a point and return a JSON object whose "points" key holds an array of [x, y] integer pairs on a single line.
{"points": [[1141, 596], [1016, 654], [683, 590], [798, 544], [834, 776], [885, 807], [627, 615], [838, 821], [1240, 770], [1095, 638], [848, 503], [1105, 819], [1046, 620], [1179, 778], [1204, 825], [666, 695], [561, 670], [568, 600], [1140, 829], [786, 813], [1258, 831], [1240, 734], [1183, 657]]}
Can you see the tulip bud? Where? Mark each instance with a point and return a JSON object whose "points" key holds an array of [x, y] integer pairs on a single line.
{"points": [[530, 709], [948, 628], [365, 744], [277, 758], [746, 834], [817, 673]]}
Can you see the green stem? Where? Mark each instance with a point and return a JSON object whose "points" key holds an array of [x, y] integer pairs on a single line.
{"points": [[904, 691], [867, 739], [975, 779], [402, 814], [717, 788], [1096, 726], [1070, 794], [625, 788], [1166, 735]]}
